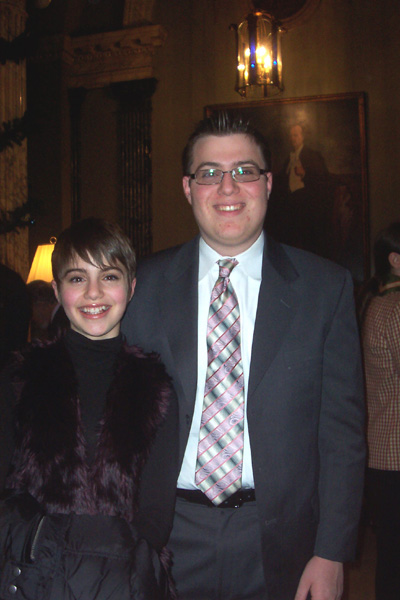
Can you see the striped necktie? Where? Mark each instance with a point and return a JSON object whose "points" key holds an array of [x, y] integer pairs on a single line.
{"points": [[220, 450]]}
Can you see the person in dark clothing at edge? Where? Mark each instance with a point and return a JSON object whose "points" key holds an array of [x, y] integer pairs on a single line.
{"points": [[90, 490], [15, 312]]}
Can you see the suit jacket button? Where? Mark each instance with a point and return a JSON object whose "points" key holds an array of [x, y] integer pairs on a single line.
{"points": [[17, 571], [13, 589]]}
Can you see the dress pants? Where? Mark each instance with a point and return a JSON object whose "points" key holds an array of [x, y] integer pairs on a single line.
{"points": [[217, 552], [383, 495]]}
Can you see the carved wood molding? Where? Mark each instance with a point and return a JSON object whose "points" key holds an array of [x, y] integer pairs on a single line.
{"points": [[100, 59], [53, 48], [105, 58]]}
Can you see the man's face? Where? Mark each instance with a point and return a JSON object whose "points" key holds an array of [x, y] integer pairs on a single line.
{"points": [[296, 137], [230, 215]]}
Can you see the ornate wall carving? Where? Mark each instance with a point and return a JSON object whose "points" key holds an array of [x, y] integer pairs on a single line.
{"points": [[104, 58], [115, 58]]}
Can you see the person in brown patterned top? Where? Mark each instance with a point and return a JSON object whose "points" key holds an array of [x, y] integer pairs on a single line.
{"points": [[381, 345]]}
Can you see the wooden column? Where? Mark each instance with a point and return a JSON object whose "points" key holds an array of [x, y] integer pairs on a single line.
{"points": [[13, 159], [76, 99], [135, 159]]}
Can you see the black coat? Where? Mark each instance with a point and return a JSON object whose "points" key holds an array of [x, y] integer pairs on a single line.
{"points": [[69, 530]]}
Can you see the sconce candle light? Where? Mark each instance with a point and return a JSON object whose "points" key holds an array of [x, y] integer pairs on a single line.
{"points": [[259, 55], [41, 265], [42, 3]]}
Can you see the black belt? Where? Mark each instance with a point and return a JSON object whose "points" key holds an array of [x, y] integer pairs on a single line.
{"points": [[234, 501]]}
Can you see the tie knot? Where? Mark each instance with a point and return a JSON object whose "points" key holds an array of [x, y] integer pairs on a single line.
{"points": [[226, 266]]}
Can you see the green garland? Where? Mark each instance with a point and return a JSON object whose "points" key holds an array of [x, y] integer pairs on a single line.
{"points": [[13, 132], [21, 47], [20, 217]]}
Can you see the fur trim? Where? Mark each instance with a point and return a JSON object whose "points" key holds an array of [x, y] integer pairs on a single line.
{"points": [[50, 459], [166, 559]]}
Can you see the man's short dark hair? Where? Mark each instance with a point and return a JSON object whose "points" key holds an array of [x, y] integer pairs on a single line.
{"points": [[97, 242], [220, 124]]}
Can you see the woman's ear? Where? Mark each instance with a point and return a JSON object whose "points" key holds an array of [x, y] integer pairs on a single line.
{"points": [[394, 260], [55, 289], [133, 285]]}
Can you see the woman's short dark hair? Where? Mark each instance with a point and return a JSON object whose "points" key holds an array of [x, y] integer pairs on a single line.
{"points": [[221, 124], [97, 242], [387, 241]]}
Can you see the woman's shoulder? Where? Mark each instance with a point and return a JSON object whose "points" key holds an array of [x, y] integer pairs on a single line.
{"points": [[146, 374], [143, 360], [383, 314]]}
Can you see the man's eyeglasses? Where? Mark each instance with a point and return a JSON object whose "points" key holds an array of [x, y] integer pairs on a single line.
{"points": [[245, 174]]}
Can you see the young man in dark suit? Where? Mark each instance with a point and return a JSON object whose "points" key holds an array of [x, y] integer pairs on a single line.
{"points": [[269, 384]]}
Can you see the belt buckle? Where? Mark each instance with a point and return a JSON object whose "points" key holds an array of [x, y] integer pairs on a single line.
{"points": [[233, 502], [239, 501]]}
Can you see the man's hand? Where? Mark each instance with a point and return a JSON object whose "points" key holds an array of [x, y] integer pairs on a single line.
{"points": [[322, 578]]}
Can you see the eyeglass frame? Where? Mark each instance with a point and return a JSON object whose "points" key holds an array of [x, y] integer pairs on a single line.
{"points": [[231, 171]]}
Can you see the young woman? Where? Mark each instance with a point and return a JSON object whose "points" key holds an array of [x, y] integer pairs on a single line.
{"points": [[93, 462]]}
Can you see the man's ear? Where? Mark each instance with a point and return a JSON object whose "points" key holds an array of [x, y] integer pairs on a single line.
{"points": [[269, 183], [186, 188], [55, 289]]}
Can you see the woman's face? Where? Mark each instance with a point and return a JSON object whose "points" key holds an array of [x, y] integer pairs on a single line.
{"points": [[94, 298]]}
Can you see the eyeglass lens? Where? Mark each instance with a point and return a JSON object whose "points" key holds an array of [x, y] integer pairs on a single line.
{"points": [[239, 174]]}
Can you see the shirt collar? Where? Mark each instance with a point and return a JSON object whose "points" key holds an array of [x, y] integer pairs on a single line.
{"points": [[250, 260], [296, 153]]}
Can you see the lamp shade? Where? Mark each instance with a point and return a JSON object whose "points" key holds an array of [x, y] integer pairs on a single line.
{"points": [[41, 265]]}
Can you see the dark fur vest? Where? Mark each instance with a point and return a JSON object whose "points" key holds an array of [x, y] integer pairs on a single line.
{"points": [[49, 461]]}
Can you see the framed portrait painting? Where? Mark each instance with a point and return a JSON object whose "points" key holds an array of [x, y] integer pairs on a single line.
{"points": [[319, 200]]}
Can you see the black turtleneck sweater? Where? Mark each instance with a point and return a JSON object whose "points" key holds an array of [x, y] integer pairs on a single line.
{"points": [[94, 363]]}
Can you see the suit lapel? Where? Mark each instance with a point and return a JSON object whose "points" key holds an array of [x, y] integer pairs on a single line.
{"points": [[277, 304], [180, 298]]}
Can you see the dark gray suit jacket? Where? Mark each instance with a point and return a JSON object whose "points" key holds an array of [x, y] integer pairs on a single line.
{"points": [[305, 403]]}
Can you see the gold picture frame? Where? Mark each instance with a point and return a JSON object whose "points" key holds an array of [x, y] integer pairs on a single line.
{"points": [[330, 216]]}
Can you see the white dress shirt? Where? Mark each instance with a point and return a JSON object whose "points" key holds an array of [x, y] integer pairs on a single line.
{"points": [[246, 281], [295, 182]]}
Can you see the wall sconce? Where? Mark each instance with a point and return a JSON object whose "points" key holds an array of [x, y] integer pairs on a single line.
{"points": [[259, 56], [42, 3], [41, 265]]}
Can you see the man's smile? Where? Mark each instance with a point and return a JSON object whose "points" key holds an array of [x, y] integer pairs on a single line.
{"points": [[229, 207]]}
